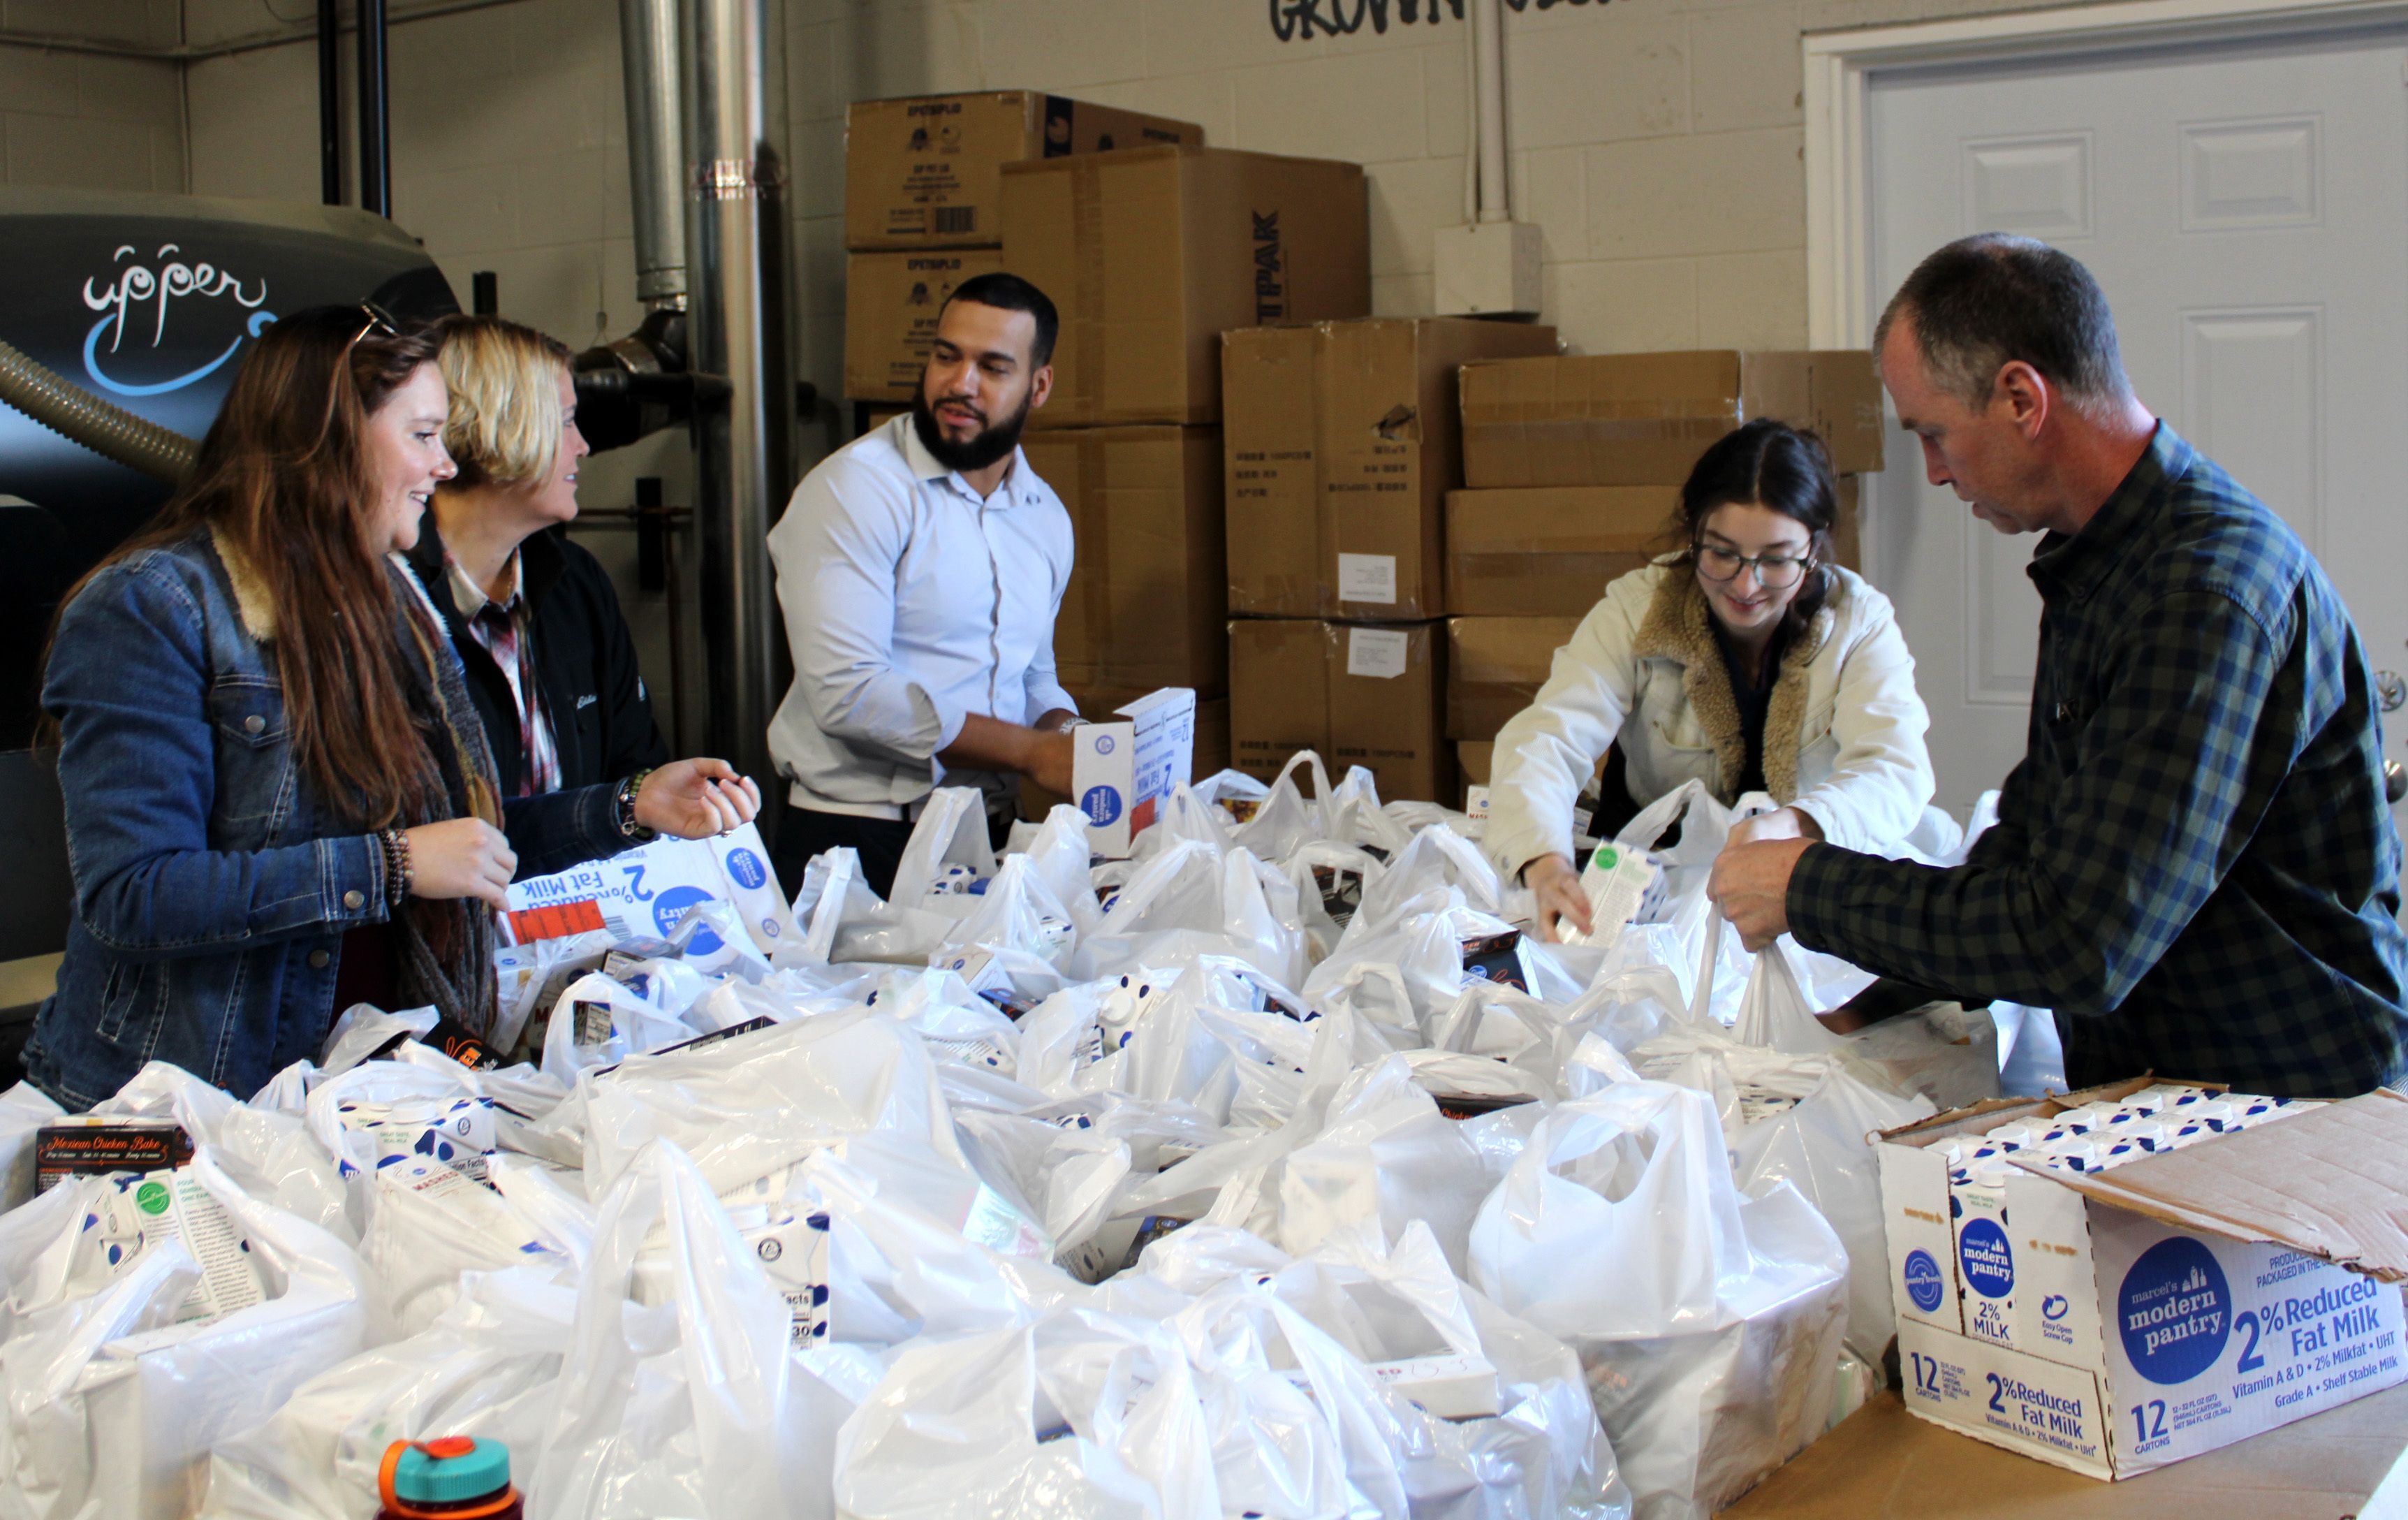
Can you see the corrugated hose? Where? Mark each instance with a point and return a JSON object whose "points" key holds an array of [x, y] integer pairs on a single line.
{"points": [[78, 416]]}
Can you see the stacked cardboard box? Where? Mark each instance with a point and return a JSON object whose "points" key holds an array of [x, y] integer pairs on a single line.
{"points": [[1343, 440], [1572, 471], [923, 208], [1148, 255], [1141, 609], [1362, 693]]}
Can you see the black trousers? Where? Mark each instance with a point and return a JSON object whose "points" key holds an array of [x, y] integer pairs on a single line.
{"points": [[878, 842]]}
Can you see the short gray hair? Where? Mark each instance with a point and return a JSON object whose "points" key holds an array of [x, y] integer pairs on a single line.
{"points": [[1989, 300]]}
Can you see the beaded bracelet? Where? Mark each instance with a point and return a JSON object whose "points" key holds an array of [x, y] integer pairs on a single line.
{"points": [[397, 865], [626, 806]]}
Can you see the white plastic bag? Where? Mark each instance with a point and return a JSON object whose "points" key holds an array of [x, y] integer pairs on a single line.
{"points": [[1078, 1416], [696, 1406], [112, 1409], [949, 851], [1386, 1159], [1707, 1321], [269, 1155], [489, 1367]]}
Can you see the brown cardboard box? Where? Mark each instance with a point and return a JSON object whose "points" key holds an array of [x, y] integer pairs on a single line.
{"points": [[926, 172], [1354, 426], [1274, 485], [1390, 447], [1847, 534], [891, 302], [1495, 667], [1143, 607], [1212, 743], [1152, 253], [1474, 757], [1279, 692], [1369, 695], [1642, 419], [1881, 1463], [1551, 550], [1388, 708]]}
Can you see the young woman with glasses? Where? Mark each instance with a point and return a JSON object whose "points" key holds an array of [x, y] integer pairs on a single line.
{"points": [[278, 798], [1745, 659]]}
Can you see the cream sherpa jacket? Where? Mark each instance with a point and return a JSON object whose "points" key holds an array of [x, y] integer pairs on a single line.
{"points": [[1842, 736]]}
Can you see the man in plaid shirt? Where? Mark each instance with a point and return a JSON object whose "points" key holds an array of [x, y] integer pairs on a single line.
{"points": [[2194, 864]]}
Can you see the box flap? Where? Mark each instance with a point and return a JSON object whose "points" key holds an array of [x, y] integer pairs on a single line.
{"points": [[2331, 1183], [1166, 700]]}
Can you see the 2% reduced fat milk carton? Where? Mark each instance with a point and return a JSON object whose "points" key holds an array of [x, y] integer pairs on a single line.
{"points": [[1122, 772], [2158, 1308]]}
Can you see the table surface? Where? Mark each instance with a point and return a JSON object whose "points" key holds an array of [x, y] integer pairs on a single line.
{"points": [[1882, 1461]]}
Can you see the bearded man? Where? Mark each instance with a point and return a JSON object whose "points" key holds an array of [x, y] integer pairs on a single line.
{"points": [[920, 568]]}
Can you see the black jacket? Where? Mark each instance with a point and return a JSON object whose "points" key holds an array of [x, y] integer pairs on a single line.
{"points": [[601, 718]]}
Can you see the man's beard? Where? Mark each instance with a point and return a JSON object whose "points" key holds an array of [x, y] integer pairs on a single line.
{"points": [[989, 445]]}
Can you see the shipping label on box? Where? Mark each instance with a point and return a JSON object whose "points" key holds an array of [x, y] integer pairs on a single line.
{"points": [[1122, 772], [645, 892]]}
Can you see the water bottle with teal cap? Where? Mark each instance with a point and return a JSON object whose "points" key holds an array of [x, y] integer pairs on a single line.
{"points": [[451, 1478]]}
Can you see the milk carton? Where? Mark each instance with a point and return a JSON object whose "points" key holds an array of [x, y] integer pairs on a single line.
{"points": [[2167, 1296], [1121, 773], [645, 893]]}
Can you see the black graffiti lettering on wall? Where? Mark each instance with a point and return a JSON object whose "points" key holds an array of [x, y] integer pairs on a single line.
{"points": [[1294, 20]]}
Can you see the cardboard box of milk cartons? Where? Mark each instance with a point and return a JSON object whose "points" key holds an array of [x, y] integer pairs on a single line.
{"points": [[1121, 773], [2157, 1309]]}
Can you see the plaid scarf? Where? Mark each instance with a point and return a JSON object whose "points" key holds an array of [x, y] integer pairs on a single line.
{"points": [[443, 952]]}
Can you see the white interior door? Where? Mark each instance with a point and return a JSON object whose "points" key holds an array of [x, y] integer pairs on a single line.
{"points": [[2245, 207]]}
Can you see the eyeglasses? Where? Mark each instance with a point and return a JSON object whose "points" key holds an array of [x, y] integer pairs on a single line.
{"points": [[380, 322], [1773, 572]]}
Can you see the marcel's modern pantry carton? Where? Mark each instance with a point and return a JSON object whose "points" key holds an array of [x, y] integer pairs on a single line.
{"points": [[2113, 1320]]}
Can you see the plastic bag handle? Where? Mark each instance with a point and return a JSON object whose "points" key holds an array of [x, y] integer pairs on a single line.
{"points": [[1702, 1001], [1320, 774]]}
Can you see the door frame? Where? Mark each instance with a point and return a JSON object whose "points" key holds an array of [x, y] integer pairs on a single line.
{"points": [[1840, 66]]}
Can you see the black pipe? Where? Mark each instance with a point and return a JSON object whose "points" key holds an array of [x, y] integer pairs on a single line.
{"points": [[376, 152], [330, 108]]}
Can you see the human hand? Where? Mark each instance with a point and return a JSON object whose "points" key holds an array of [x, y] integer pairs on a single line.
{"points": [[694, 799], [1751, 885], [1557, 895], [1050, 758], [460, 858]]}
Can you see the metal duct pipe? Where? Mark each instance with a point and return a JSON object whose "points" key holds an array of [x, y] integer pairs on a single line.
{"points": [[734, 72], [330, 108], [648, 46], [1488, 103], [375, 149]]}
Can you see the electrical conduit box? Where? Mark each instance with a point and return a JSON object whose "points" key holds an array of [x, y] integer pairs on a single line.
{"points": [[1121, 773], [2132, 1317]]}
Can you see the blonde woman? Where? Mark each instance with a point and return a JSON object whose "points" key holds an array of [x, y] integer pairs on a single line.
{"points": [[550, 664]]}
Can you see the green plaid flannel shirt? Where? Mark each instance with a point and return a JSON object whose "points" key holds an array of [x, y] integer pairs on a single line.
{"points": [[2194, 865]]}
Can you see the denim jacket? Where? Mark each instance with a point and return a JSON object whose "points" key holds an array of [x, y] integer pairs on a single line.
{"points": [[213, 889]]}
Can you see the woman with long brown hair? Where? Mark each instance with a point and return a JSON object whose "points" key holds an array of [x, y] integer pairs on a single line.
{"points": [[279, 797]]}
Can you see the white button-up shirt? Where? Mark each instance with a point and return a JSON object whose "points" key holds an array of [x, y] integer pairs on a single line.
{"points": [[910, 603]]}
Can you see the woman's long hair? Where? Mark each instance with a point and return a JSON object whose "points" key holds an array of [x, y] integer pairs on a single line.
{"points": [[285, 480], [1768, 463]]}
